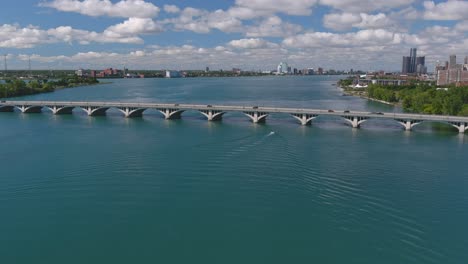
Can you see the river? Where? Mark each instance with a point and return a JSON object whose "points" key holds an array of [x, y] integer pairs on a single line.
{"points": [[79, 189]]}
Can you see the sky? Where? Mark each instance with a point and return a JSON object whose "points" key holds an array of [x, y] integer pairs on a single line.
{"points": [[223, 34]]}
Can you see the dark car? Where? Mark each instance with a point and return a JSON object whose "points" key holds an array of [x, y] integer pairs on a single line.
{"points": [[209, 106], [377, 113], [331, 111], [255, 107], [176, 104], [346, 111]]}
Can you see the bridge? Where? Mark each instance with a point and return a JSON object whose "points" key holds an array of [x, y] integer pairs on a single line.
{"points": [[215, 112]]}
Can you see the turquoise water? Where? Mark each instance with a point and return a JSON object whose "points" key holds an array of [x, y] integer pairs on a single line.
{"points": [[79, 189]]}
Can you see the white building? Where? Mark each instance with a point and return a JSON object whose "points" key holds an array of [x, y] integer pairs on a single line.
{"points": [[282, 68], [173, 74]]}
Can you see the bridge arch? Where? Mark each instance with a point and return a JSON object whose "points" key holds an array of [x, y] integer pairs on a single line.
{"points": [[171, 113], [355, 121], [131, 112], [27, 109], [95, 110], [213, 115], [257, 117], [304, 119], [60, 110]]}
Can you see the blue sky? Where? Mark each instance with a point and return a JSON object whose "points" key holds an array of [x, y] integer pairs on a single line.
{"points": [[250, 34]]}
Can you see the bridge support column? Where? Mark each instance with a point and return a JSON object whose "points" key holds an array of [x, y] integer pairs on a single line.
{"points": [[171, 113], [355, 121], [28, 109], [408, 124], [61, 110], [257, 117], [130, 112], [95, 110], [212, 115], [461, 126], [305, 119]]}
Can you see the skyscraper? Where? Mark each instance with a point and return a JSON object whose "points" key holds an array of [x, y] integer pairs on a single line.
{"points": [[413, 60], [409, 64], [406, 65], [466, 59], [453, 61]]}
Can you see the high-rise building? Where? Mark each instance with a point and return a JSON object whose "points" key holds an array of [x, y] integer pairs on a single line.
{"points": [[406, 65], [466, 59], [413, 60], [421, 65], [453, 74], [410, 63], [282, 68], [453, 61]]}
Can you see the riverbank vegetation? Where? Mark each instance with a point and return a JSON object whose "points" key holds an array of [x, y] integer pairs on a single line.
{"points": [[18, 87], [424, 98]]}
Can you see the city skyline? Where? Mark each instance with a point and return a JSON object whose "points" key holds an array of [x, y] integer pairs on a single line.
{"points": [[255, 34]]}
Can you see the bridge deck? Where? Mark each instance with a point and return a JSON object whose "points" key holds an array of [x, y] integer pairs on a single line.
{"points": [[232, 108]]}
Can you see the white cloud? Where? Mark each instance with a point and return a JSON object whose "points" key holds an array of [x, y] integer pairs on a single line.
{"points": [[171, 9], [462, 26], [13, 36], [368, 37], [345, 21], [356, 6], [123, 8], [203, 21], [134, 26], [296, 7], [251, 43], [341, 21], [272, 26], [451, 10]]}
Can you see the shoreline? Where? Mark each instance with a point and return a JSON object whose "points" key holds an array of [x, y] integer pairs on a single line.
{"points": [[362, 94]]}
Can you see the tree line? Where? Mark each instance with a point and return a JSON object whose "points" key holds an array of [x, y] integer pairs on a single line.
{"points": [[18, 87], [424, 98]]}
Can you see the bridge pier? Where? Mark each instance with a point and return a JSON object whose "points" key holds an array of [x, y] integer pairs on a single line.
{"points": [[461, 126], [213, 115], [355, 121], [130, 112], [29, 109], [60, 110], [7, 108], [408, 124], [305, 119], [95, 110], [171, 113], [257, 117]]}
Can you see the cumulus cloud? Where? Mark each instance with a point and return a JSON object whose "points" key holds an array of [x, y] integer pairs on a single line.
{"points": [[345, 21], [171, 9], [297, 7], [272, 26], [134, 26], [123, 8], [368, 37], [356, 6], [203, 21], [251, 43], [14, 36], [451, 10]]}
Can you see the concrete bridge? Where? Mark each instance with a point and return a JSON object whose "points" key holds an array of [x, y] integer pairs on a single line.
{"points": [[215, 112]]}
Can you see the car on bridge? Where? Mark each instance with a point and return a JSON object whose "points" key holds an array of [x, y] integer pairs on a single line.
{"points": [[331, 111], [255, 107], [346, 111], [377, 113]]}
